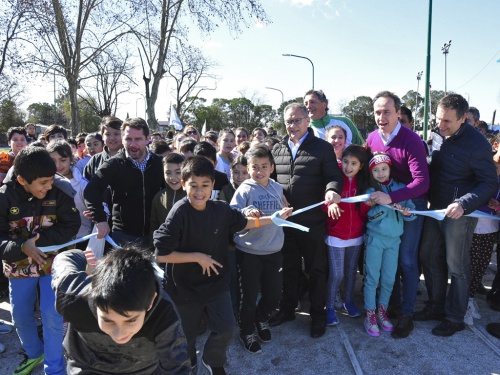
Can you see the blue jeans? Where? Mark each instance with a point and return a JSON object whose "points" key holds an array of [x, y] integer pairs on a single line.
{"points": [[343, 263], [408, 271], [445, 251], [381, 262], [22, 298]]}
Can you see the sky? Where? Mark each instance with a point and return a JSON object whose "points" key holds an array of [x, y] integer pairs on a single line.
{"points": [[358, 47]]}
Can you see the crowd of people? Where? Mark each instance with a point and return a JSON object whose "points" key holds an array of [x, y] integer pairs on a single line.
{"points": [[206, 208]]}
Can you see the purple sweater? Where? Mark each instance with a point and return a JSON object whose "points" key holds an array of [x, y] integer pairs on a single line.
{"points": [[409, 163]]}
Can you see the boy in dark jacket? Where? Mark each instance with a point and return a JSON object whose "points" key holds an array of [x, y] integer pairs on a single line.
{"points": [[193, 241], [120, 319], [36, 209]]}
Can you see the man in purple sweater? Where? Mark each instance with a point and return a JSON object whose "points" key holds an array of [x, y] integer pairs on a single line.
{"points": [[410, 166]]}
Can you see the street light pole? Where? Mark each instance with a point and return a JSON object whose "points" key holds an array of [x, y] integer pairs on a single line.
{"points": [[282, 96], [445, 49], [303, 57], [419, 77]]}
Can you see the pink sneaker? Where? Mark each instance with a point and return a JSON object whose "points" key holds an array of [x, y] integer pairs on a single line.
{"points": [[384, 321], [370, 324]]}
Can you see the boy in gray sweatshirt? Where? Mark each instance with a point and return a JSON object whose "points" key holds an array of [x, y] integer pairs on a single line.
{"points": [[258, 252]]}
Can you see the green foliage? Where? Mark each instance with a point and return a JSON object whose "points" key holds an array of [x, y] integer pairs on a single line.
{"points": [[360, 111], [43, 113], [10, 115], [237, 112]]}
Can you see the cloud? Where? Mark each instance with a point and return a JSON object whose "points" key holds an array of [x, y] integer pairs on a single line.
{"points": [[325, 8]]}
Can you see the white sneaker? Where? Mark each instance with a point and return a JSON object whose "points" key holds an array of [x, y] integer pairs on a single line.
{"points": [[474, 309], [383, 319], [468, 317], [370, 324]]}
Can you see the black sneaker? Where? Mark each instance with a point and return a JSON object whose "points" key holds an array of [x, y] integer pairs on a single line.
{"points": [[250, 344], [447, 328], [214, 370], [403, 327], [281, 317], [263, 331], [426, 314]]}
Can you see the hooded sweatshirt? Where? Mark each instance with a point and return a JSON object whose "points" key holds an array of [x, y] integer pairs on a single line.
{"points": [[268, 199], [159, 348]]}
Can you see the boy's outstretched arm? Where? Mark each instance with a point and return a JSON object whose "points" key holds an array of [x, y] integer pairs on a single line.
{"points": [[208, 265], [255, 222]]}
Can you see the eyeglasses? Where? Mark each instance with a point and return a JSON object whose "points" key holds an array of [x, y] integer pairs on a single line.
{"points": [[294, 121], [191, 132]]}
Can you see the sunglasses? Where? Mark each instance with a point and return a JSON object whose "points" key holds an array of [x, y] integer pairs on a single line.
{"points": [[191, 132]]}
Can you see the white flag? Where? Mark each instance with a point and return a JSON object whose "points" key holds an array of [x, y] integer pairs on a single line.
{"points": [[204, 128], [174, 119]]}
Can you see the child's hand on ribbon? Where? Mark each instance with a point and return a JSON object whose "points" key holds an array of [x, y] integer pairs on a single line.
{"points": [[285, 213], [332, 196], [404, 210]]}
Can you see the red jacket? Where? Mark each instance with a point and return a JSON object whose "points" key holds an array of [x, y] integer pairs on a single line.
{"points": [[352, 222]]}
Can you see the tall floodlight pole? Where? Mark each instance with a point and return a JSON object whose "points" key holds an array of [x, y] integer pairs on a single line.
{"points": [[428, 72], [282, 96], [419, 77], [303, 57], [445, 49]]}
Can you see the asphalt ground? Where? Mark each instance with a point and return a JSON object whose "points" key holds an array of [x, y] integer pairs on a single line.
{"points": [[345, 348]]}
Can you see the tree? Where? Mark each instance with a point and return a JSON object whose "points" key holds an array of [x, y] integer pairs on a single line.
{"points": [[161, 24], [10, 115], [360, 111], [68, 37], [12, 26], [187, 66], [41, 113], [111, 76]]}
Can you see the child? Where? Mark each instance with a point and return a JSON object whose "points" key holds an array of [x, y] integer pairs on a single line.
{"points": [[187, 146], [224, 157], [165, 199], [346, 224], [258, 252], [55, 132], [120, 320], [239, 173], [337, 136], [258, 134], [60, 152], [17, 139], [211, 137], [36, 209], [193, 241], [95, 145], [112, 136], [383, 232], [207, 150]]}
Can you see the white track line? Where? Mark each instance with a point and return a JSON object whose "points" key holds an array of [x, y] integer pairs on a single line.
{"points": [[485, 339], [350, 352]]}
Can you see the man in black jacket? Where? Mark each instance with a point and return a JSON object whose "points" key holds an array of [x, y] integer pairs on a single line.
{"points": [[463, 178], [134, 176], [307, 169]]}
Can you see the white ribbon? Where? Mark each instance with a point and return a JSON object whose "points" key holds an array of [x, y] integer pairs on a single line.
{"points": [[440, 214]]}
